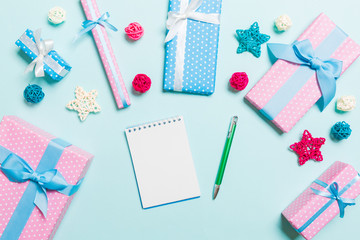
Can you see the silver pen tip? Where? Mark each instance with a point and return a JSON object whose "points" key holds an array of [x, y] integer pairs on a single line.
{"points": [[216, 190]]}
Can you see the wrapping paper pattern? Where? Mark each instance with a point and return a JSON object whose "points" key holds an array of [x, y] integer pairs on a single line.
{"points": [[54, 65], [30, 142], [308, 203], [200, 56], [107, 55], [309, 93]]}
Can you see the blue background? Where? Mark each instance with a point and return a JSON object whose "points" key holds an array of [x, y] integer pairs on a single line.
{"points": [[262, 176]]}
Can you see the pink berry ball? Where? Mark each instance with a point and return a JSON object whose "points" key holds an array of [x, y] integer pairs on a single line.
{"points": [[239, 81], [141, 83], [134, 31]]}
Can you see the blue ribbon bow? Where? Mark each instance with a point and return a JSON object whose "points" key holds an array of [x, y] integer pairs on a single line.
{"points": [[18, 170], [327, 70], [88, 25], [333, 190]]}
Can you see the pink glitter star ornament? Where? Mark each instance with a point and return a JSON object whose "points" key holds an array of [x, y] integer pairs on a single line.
{"points": [[308, 148]]}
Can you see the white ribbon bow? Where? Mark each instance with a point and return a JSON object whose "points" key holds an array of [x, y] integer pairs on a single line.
{"points": [[176, 20], [44, 47]]}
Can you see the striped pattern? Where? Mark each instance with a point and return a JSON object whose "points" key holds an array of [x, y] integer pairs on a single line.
{"points": [[107, 55]]}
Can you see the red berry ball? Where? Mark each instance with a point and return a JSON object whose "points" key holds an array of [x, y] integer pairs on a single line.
{"points": [[239, 81], [134, 31], [141, 83]]}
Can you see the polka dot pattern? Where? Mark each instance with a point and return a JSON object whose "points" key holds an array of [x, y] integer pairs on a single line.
{"points": [[347, 52], [30, 142], [318, 30], [170, 53], [308, 203], [261, 93], [116, 82], [200, 52], [53, 54], [310, 93]]}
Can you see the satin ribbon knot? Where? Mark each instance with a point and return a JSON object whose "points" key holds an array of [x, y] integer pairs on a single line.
{"points": [[177, 20], [35, 177], [327, 70], [88, 25], [316, 63], [179, 17], [44, 47], [333, 190], [18, 170]]}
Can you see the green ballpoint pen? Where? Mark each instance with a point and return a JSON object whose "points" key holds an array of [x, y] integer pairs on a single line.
{"points": [[225, 156]]}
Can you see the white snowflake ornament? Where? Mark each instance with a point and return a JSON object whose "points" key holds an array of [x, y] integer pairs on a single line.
{"points": [[84, 103]]}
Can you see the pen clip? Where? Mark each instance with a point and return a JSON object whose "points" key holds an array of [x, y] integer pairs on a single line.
{"points": [[232, 125]]}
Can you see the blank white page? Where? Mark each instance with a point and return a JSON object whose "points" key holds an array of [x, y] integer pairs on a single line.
{"points": [[162, 161]]}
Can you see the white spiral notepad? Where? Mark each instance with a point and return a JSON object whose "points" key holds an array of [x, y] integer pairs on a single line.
{"points": [[162, 161]]}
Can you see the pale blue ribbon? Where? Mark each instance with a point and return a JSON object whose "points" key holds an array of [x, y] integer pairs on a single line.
{"points": [[334, 195], [18, 170], [302, 52], [44, 178], [88, 25], [333, 190]]}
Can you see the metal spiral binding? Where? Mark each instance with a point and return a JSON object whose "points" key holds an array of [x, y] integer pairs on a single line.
{"points": [[155, 124]]}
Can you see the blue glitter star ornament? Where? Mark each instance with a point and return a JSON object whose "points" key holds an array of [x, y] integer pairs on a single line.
{"points": [[250, 40]]}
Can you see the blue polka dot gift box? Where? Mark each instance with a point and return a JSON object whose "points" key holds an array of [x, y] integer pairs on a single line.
{"points": [[192, 46], [43, 58]]}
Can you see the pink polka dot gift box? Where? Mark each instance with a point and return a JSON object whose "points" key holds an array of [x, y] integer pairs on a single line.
{"points": [[327, 197], [98, 23], [305, 72], [38, 176]]}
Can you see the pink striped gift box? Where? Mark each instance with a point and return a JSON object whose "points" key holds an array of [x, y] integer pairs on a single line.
{"points": [[19, 217], [107, 55], [294, 105], [310, 212]]}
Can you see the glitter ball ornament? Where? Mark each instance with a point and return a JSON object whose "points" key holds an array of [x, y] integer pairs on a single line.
{"points": [[239, 81], [346, 103], [33, 93], [56, 15], [283, 23], [141, 83], [341, 130]]}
